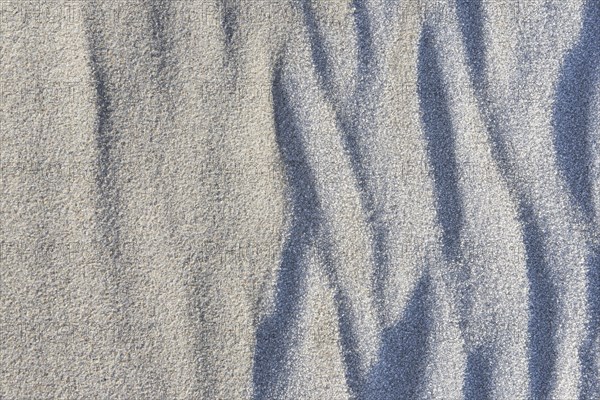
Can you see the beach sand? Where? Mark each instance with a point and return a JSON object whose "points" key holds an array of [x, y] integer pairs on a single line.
{"points": [[300, 199]]}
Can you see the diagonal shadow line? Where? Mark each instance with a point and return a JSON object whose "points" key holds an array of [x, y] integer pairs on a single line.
{"points": [[319, 52], [590, 375], [158, 11], [351, 353], [273, 336], [108, 204], [571, 115], [471, 19], [160, 21], [573, 156], [437, 126], [571, 121], [364, 103], [159, 16], [348, 125], [470, 16], [542, 297], [366, 41], [478, 376], [542, 306], [542, 293], [441, 144], [229, 22], [400, 370], [348, 121]]}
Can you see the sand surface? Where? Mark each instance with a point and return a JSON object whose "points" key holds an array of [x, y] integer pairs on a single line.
{"points": [[300, 199]]}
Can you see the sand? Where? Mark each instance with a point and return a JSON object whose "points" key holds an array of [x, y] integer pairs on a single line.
{"points": [[300, 199]]}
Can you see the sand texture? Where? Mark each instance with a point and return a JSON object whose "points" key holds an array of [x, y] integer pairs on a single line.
{"points": [[300, 199]]}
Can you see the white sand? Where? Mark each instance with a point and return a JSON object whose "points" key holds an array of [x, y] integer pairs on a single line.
{"points": [[298, 199]]}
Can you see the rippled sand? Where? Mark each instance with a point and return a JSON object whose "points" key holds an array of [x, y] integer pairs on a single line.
{"points": [[298, 199]]}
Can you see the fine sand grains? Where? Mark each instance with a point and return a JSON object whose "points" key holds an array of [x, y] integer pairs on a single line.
{"points": [[299, 199]]}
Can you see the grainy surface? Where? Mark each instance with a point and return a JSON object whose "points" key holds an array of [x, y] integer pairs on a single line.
{"points": [[298, 199]]}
